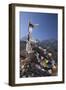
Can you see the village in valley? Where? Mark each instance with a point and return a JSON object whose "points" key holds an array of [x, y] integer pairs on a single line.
{"points": [[37, 59]]}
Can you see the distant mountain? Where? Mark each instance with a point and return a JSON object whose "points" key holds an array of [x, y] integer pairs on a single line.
{"points": [[49, 43], [33, 39], [24, 38]]}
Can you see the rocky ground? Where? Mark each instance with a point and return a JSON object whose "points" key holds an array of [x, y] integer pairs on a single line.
{"points": [[41, 62]]}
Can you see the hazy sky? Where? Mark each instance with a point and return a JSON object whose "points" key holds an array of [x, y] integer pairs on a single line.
{"points": [[47, 28]]}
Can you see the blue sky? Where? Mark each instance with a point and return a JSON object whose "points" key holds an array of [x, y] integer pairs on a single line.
{"points": [[47, 28]]}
